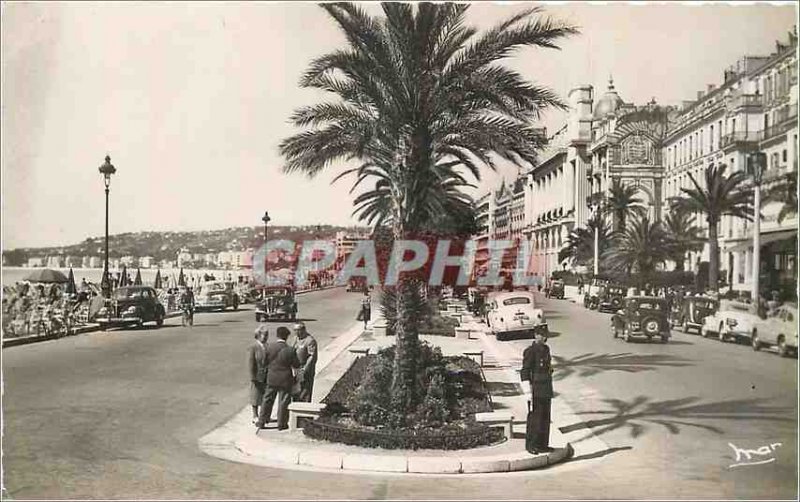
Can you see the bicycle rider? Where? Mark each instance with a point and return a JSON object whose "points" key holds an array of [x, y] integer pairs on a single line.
{"points": [[187, 300]]}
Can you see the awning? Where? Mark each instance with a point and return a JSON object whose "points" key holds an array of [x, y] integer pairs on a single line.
{"points": [[765, 239]]}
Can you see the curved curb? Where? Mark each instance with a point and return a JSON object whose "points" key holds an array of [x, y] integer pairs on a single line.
{"points": [[277, 454]]}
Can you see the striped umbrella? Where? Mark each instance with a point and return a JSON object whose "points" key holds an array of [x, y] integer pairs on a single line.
{"points": [[71, 288], [138, 280], [157, 284]]}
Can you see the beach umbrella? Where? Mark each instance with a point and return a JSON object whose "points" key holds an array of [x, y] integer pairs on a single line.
{"points": [[123, 277], [71, 288], [105, 282], [138, 280], [181, 279], [157, 284], [46, 275]]}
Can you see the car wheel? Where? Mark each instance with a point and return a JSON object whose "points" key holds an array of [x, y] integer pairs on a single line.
{"points": [[159, 321], [783, 349], [755, 342], [664, 339], [235, 304]]}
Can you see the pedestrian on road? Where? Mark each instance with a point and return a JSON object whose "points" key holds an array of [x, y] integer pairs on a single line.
{"points": [[306, 347], [538, 371], [366, 309], [281, 359], [257, 364]]}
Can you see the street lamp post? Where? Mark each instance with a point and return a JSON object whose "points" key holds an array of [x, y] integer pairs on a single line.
{"points": [[756, 162], [266, 219], [107, 169]]}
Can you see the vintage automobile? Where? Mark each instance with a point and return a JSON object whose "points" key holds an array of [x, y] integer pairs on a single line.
{"points": [[278, 303], [215, 295], [642, 316], [514, 315], [131, 305], [555, 289], [690, 313], [357, 284], [612, 298], [595, 288], [779, 329], [476, 301], [733, 320]]}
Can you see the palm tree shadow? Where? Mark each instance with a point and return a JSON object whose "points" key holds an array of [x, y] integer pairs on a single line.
{"points": [[641, 413], [586, 365], [598, 454]]}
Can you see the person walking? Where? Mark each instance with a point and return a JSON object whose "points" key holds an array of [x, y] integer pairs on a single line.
{"points": [[257, 364], [281, 359], [538, 372], [306, 347], [366, 309]]}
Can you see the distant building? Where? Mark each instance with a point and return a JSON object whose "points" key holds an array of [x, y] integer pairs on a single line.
{"points": [[224, 258], [210, 259], [346, 243], [184, 257], [146, 261], [95, 262], [55, 261], [129, 261], [36, 261], [73, 261]]}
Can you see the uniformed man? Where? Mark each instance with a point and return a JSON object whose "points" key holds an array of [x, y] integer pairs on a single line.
{"points": [[306, 347], [537, 371]]}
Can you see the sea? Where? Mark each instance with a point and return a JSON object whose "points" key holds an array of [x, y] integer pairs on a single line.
{"points": [[11, 275]]}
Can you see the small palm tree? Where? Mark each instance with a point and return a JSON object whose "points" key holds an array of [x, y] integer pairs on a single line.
{"points": [[784, 193], [417, 89], [720, 195], [623, 202], [638, 250], [580, 243], [683, 236]]}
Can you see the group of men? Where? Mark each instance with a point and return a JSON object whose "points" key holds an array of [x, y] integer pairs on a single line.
{"points": [[282, 372]]}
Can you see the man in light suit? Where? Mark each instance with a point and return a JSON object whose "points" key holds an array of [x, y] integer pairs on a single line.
{"points": [[257, 364], [306, 347], [281, 359]]}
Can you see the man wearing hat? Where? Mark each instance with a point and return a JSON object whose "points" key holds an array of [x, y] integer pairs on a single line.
{"points": [[257, 363], [281, 359], [306, 348], [537, 370]]}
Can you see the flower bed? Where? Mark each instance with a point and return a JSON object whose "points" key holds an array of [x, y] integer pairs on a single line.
{"points": [[359, 410]]}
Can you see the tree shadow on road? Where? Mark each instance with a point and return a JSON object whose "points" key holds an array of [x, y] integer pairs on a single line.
{"points": [[586, 365], [598, 454], [504, 389], [639, 414]]}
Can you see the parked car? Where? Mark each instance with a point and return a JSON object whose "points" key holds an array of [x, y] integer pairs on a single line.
{"points": [[131, 305], [639, 316], [732, 321], [357, 284], [556, 289], [691, 312], [215, 295], [514, 315], [278, 303], [779, 329]]}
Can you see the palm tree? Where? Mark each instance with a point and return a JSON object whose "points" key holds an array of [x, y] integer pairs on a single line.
{"points": [[784, 193], [638, 249], [580, 242], [623, 201], [416, 89], [682, 236], [721, 195]]}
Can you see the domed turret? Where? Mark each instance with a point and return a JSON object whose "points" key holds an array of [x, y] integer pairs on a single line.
{"points": [[609, 102]]}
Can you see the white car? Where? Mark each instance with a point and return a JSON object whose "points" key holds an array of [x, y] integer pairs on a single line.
{"points": [[778, 329], [216, 295], [732, 321], [514, 315]]}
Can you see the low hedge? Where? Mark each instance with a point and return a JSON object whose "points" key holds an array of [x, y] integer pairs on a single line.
{"points": [[452, 437], [347, 383]]}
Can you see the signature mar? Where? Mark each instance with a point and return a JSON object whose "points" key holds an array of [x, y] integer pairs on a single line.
{"points": [[763, 455]]}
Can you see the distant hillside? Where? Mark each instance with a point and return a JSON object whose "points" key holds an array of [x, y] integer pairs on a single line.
{"points": [[165, 245]]}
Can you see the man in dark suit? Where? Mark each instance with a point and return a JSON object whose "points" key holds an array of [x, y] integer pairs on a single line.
{"points": [[306, 347], [257, 364], [281, 358], [537, 370]]}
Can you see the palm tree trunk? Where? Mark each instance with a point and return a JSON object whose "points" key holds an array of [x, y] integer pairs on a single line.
{"points": [[713, 261], [404, 382]]}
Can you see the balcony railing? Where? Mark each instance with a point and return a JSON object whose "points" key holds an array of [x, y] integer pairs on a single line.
{"points": [[746, 100], [741, 138]]}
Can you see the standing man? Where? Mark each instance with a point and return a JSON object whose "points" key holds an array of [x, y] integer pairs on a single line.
{"points": [[280, 360], [366, 308], [537, 370], [257, 363], [306, 348]]}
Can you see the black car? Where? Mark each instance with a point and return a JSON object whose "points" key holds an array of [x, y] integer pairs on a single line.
{"points": [[642, 316], [692, 311], [611, 298], [278, 303], [131, 305], [556, 289]]}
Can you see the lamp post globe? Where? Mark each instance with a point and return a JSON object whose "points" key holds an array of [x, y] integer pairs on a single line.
{"points": [[107, 169]]}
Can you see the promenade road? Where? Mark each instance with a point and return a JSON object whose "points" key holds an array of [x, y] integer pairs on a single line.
{"points": [[118, 415]]}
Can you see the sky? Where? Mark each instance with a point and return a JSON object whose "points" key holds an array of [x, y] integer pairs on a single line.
{"points": [[191, 100]]}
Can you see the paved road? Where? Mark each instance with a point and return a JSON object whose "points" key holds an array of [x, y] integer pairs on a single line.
{"points": [[118, 415]]}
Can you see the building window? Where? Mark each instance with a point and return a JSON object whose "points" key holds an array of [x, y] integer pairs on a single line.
{"points": [[711, 138], [719, 134], [784, 155]]}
